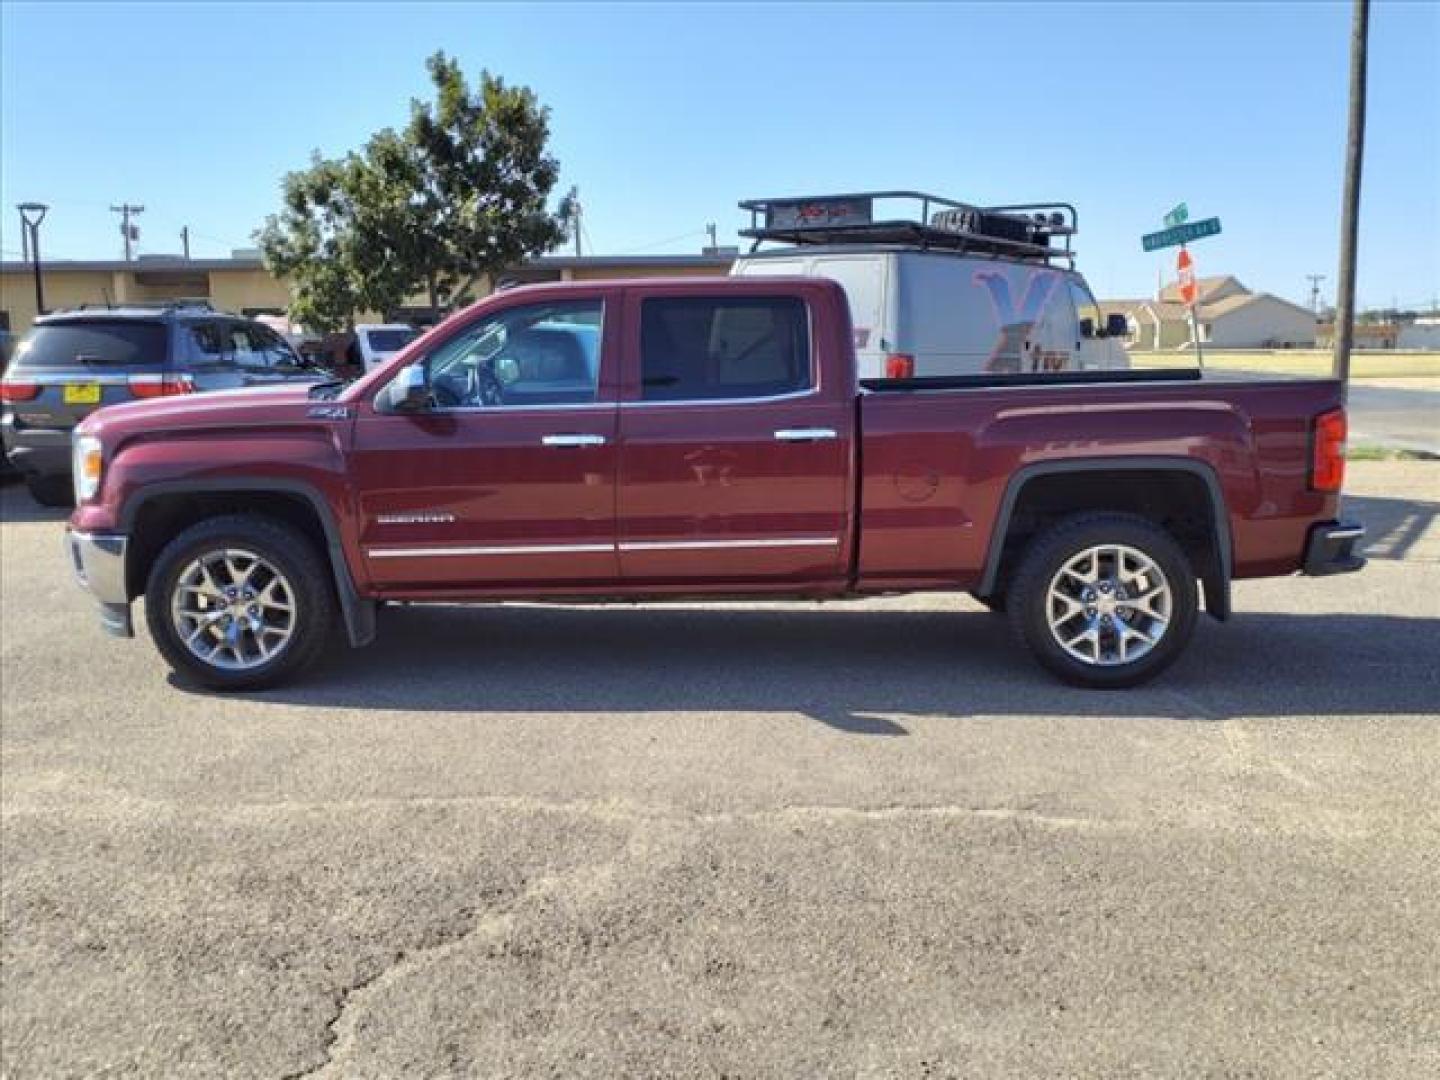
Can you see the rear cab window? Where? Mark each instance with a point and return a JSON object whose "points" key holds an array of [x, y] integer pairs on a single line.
{"points": [[721, 348], [94, 345]]}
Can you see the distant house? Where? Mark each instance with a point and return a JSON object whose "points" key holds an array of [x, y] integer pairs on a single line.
{"points": [[1230, 316]]}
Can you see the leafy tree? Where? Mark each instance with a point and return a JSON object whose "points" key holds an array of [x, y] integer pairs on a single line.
{"points": [[461, 193]]}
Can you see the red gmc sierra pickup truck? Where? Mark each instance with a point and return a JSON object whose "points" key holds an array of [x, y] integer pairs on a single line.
{"points": [[699, 438]]}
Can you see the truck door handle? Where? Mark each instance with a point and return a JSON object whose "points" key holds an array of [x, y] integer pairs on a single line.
{"points": [[573, 440], [804, 434]]}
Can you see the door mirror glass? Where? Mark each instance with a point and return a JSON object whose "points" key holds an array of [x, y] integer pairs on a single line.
{"points": [[410, 391]]}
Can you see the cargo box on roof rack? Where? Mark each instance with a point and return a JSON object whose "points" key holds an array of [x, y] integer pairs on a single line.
{"points": [[1029, 231]]}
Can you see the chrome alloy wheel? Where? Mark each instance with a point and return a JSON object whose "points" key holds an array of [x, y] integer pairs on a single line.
{"points": [[233, 609], [1108, 605]]}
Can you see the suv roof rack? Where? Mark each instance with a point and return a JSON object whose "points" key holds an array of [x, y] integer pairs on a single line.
{"points": [[197, 304], [1019, 231]]}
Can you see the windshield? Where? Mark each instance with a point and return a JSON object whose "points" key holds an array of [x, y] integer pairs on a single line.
{"points": [[390, 339], [97, 343]]}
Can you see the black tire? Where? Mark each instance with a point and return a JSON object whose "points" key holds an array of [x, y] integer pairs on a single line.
{"points": [[1057, 546], [51, 490], [291, 552]]}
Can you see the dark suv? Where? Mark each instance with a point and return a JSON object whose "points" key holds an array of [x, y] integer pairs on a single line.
{"points": [[73, 362]]}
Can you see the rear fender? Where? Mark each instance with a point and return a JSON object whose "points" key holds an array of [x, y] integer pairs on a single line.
{"points": [[1215, 579]]}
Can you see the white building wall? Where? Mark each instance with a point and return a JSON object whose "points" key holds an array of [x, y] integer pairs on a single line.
{"points": [[1419, 335], [1266, 323]]}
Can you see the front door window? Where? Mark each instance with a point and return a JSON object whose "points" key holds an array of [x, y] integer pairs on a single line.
{"points": [[538, 355]]}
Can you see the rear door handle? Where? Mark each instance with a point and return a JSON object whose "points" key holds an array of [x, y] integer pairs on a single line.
{"points": [[805, 434], [573, 440]]}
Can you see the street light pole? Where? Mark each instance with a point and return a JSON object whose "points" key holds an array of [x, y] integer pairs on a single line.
{"points": [[32, 229], [1350, 211]]}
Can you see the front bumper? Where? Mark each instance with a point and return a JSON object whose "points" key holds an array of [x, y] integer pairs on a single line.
{"points": [[1331, 548], [98, 560]]}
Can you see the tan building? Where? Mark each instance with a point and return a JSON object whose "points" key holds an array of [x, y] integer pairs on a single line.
{"points": [[1229, 315], [1365, 336], [241, 284]]}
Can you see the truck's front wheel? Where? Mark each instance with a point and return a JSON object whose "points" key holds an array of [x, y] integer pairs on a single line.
{"points": [[1104, 600], [239, 602]]}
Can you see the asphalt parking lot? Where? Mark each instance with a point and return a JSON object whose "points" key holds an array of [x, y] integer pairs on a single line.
{"points": [[762, 840]]}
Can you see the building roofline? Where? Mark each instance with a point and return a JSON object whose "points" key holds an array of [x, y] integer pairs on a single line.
{"points": [[559, 262]]}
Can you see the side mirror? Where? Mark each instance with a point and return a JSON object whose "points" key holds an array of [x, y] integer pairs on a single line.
{"points": [[1087, 328], [410, 392], [1117, 325]]}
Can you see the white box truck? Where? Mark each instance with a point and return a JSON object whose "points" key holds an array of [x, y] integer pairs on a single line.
{"points": [[939, 287]]}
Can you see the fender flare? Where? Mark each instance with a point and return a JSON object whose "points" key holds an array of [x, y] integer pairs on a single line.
{"points": [[358, 612], [1216, 584]]}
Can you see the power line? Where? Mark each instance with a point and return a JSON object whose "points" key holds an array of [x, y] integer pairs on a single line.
{"points": [[635, 249]]}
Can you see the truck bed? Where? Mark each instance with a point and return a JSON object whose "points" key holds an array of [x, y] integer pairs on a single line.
{"points": [[942, 456]]}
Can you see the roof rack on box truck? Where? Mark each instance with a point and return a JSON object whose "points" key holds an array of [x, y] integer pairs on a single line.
{"points": [[1021, 231]]}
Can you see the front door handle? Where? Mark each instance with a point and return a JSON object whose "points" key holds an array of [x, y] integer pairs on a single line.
{"points": [[573, 440], [805, 434]]}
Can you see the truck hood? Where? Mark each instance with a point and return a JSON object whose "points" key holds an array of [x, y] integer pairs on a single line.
{"points": [[262, 406]]}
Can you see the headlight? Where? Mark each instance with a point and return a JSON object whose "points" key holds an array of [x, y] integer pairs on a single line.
{"points": [[89, 457]]}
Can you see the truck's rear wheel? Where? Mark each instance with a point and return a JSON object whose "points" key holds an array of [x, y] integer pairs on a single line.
{"points": [[1104, 600], [239, 602]]}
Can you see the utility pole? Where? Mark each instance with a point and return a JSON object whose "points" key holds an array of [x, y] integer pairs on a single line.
{"points": [[129, 232], [185, 241], [578, 212], [1315, 280], [1350, 212]]}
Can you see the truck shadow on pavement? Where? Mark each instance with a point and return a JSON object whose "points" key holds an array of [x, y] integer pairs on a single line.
{"points": [[859, 671], [1393, 526]]}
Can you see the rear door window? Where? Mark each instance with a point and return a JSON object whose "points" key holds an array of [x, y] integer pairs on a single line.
{"points": [[250, 353], [98, 344], [207, 348], [709, 349]]}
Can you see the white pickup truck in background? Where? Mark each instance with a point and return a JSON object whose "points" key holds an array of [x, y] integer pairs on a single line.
{"points": [[941, 287]]}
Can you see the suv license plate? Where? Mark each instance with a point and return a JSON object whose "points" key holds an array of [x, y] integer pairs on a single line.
{"points": [[82, 393]]}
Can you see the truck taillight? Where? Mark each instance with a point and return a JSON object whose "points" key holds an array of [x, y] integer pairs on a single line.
{"points": [[1327, 451], [153, 386], [19, 391], [899, 366]]}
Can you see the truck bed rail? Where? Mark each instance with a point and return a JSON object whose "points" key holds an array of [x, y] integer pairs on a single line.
{"points": [[1032, 378]]}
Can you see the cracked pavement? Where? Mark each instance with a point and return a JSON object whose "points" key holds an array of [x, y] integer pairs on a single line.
{"points": [[765, 840]]}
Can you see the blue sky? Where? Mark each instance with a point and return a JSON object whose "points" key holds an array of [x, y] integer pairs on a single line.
{"points": [[666, 115]]}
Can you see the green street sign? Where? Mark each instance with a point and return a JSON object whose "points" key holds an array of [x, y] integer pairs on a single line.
{"points": [[1178, 216], [1181, 234]]}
